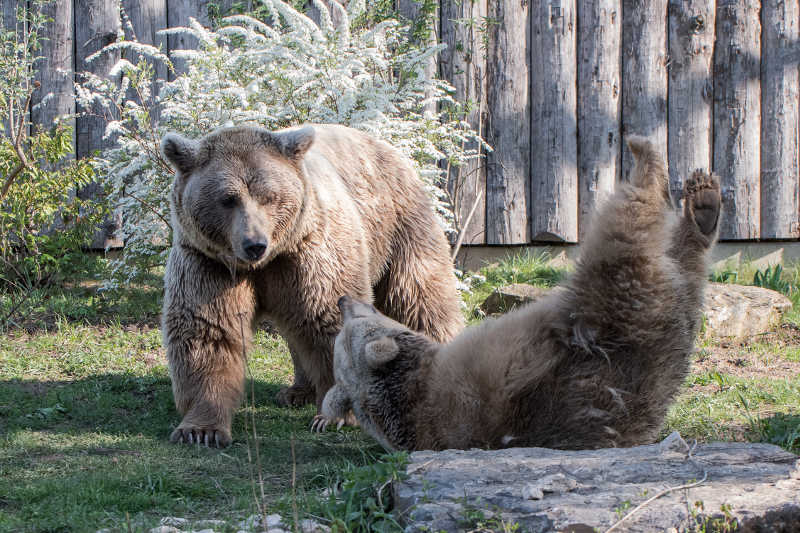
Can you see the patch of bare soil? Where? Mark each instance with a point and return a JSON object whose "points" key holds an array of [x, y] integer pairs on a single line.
{"points": [[759, 356]]}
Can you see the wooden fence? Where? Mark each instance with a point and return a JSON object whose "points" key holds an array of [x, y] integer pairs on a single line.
{"points": [[556, 85]]}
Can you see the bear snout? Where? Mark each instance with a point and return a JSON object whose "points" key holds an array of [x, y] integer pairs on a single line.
{"points": [[254, 250]]}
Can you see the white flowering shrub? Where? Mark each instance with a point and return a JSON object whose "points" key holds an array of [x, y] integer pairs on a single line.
{"points": [[278, 72]]}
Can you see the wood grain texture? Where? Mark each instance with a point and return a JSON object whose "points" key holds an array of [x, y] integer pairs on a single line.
{"points": [[463, 64], [691, 89], [737, 117], [178, 14], [554, 152], [644, 74], [508, 125], [55, 69], [780, 205], [598, 103], [96, 25]]}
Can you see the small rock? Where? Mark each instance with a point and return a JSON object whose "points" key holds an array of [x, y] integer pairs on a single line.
{"points": [[165, 529], [312, 526], [277, 530], [207, 530], [741, 311], [210, 523], [274, 520], [504, 299], [673, 443], [250, 523], [174, 521]]}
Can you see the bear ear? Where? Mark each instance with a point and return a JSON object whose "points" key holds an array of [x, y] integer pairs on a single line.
{"points": [[381, 351], [295, 143], [180, 151]]}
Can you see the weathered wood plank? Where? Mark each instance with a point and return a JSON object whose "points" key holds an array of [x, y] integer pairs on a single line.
{"points": [[463, 63], [644, 74], [554, 151], [780, 204], [508, 125], [96, 25], [55, 69], [178, 14], [9, 14], [599, 152], [146, 18], [417, 11], [737, 117], [691, 89]]}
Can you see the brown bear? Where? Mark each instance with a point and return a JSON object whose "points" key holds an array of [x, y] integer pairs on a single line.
{"points": [[593, 364], [278, 225]]}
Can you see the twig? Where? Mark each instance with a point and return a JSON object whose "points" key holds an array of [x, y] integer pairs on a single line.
{"points": [[294, 489], [466, 224], [660, 494], [155, 212]]}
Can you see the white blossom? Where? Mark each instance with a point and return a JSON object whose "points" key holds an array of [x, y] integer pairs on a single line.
{"points": [[281, 73]]}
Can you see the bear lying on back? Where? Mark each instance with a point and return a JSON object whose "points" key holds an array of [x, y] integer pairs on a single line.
{"points": [[595, 364]]}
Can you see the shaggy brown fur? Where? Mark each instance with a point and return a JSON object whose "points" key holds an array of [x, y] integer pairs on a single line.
{"points": [[278, 225], [595, 364]]}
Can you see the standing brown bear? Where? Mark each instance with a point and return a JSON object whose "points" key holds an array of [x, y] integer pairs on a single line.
{"points": [[592, 365], [277, 226]]}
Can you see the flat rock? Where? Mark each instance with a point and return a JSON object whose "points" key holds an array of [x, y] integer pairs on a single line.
{"points": [[730, 310], [504, 299], [552, 490], [741, 311]]}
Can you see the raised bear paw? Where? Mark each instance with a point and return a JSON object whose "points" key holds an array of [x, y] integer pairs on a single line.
{"points": [[213, 436], [702, 201], [296, 396]]}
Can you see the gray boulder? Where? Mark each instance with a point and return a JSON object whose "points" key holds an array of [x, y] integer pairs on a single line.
{"points": [[741, 311], [730, 310], [551, 490]]}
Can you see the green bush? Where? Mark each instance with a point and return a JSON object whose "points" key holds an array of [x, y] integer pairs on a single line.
{"points": [[43, 223]]}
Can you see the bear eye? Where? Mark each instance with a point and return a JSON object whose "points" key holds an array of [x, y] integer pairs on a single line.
{"points": [[229, 201]]}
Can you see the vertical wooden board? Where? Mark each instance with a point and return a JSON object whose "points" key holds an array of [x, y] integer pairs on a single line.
{"points": [[644, 74], [96, 25], [412, 11], [147, 17], [737, 117], [463, 64], [554, 156], [600, 27], [508, 126], [55, 69], [9, 14], [178, 14], [780, 206], [691, 89]]}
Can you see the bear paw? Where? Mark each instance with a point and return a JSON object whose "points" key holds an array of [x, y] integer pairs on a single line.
{"points": [[296, 396], [218, 437], [702, 201]]}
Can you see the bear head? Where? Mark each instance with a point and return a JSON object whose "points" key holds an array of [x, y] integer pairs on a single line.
{"points": [[239, 193], [376, 363]]}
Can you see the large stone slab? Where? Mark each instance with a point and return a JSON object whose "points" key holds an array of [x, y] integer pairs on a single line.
{"points": [[730, 310], [551, 490], [741, 311]]}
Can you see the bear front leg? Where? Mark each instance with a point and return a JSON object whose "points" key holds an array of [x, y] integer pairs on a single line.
{"points": [[207, 326]]}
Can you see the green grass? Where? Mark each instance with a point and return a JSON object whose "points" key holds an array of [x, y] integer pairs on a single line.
{"points": [[86, 409]]}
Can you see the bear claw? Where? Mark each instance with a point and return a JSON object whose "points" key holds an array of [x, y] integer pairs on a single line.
{"points": [[296, 396], [321, 423], [210, 438]]}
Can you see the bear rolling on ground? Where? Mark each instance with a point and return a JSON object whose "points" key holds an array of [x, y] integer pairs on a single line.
{"points": [[277, 226], [595, 364]]}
